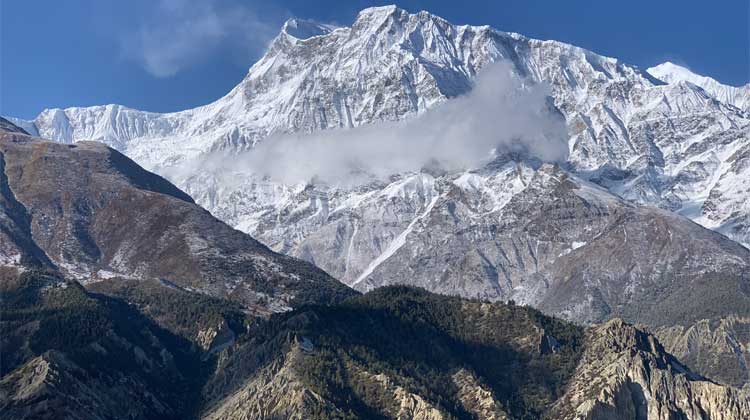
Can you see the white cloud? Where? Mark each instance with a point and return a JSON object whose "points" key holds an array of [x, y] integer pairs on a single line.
{"points": [[177, 33], [500, 113]]}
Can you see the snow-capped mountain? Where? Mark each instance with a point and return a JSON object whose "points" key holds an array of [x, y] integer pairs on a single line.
{"points": [[738, 96], [338, 77], [657, 138], [669, 142], [678, 145], [675, 145]]}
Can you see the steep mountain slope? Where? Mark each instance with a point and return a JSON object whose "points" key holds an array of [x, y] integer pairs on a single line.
{"points": [[656, 143], [511, 230], [92, 214], [439, 357], [565, 246]]}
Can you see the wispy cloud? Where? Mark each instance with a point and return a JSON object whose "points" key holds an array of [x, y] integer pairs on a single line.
{"points": [[501, 113], [177, 33]]}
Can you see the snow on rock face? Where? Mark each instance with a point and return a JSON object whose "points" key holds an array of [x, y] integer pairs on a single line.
{"points": [[304, 29], [672, 73], [650, 138]]}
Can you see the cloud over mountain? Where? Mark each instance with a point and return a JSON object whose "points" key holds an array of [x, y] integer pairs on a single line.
{"points": [[502, 114]]}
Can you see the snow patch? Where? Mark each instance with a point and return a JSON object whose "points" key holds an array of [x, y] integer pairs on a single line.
{"points": [[396, 244]]}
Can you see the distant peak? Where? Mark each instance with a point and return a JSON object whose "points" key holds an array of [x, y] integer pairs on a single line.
{"points": [[669, 65], [673, 73], [376, 15], [380, 10], [304, 29], [671, 70]]}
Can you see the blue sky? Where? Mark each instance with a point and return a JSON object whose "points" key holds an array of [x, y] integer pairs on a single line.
{"points": [[167, 55]]}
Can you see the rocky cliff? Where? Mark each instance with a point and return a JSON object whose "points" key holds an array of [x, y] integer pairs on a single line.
{"points": [[626, 374]]}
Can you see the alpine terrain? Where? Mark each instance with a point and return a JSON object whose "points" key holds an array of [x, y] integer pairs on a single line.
{"points": [[593, 263]]}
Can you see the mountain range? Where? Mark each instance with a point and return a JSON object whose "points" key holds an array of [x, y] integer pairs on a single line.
{"points": [[645, 219], [644, 135]]}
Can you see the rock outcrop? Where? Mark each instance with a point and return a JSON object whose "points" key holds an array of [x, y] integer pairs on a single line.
{"points": [[626, 374], [716, 348]]}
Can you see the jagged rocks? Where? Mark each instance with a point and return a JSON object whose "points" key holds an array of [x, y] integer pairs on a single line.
{"points": [[626, 374]]}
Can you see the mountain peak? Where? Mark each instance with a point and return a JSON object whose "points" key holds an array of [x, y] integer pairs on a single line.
{"points": [[380, 11], [304, 29], [673, 73], [669, 72], [375, 17]]}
